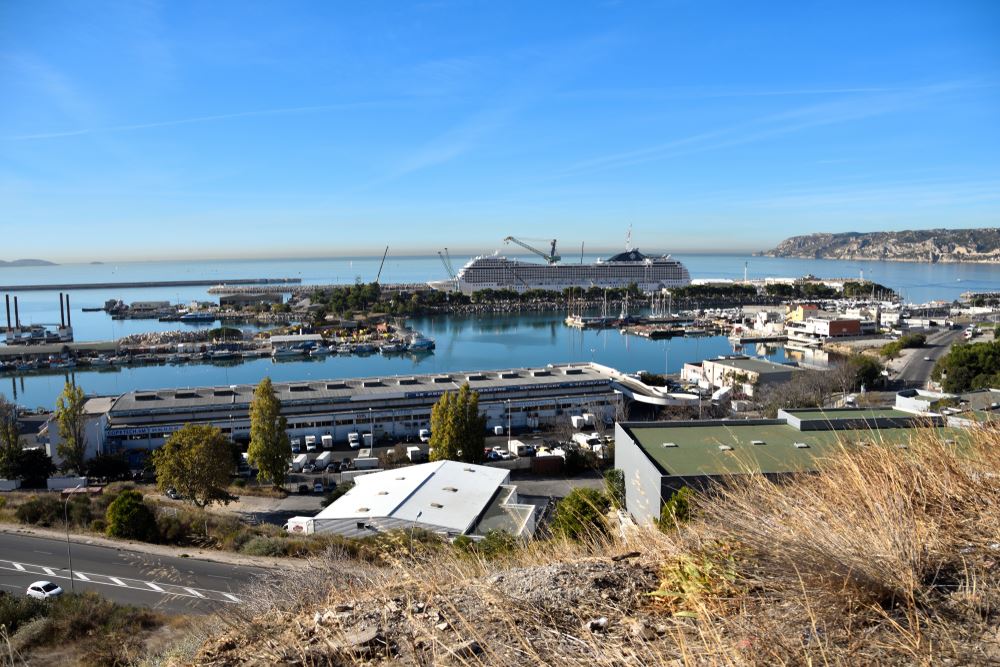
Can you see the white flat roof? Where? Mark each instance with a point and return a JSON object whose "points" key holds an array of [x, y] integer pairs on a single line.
{"points": [[448, 494], [296, 338]]}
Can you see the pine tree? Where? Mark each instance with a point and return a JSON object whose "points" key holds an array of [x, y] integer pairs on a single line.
{"points": [[69, 416], [270, 449]]}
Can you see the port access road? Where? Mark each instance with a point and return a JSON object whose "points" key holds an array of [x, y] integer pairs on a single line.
{"points": [[167, 583], [915, 369]]}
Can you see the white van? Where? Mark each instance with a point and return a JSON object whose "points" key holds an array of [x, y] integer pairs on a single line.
{"points": [[296, 445], [327, 441], [310, 443], [425, 435], [354, 440]]}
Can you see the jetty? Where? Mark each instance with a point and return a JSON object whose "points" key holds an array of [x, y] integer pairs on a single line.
{"points": [[149, 283]]}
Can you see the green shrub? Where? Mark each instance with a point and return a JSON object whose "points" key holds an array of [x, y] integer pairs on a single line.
{"points": [[78, 510], [16, 610], [891, 350], [581, 514], [464, 543], [129, 518], [498, 543], [40, 511], [264, 546], [676, 510], [99, 525], [614, 487]]}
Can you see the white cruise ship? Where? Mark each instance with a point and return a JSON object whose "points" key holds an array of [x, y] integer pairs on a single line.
{"points": [[498, 272]]}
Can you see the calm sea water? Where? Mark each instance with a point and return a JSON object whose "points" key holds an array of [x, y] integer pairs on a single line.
{"points": [[463, 343]]}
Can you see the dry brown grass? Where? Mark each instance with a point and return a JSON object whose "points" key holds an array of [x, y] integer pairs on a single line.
{"points": [[888, 556]]}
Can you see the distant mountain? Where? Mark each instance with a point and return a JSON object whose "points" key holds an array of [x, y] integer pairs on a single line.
{"points": [[26, 262], [921, 245]]}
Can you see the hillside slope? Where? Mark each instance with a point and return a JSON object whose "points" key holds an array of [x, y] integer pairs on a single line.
{"points": [[924, 245], [888, 557]]}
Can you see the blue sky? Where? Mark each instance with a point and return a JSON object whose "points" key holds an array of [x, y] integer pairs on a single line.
{"points": [[245, 129]]}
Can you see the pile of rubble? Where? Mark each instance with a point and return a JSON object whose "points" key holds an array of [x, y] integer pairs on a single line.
{"points": [[153, 338], [563, 612]]}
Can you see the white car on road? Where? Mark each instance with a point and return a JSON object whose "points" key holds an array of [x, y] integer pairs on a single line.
{"points": [[44, 590]]}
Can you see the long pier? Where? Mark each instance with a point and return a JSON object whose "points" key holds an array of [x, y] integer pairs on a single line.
{"points": [[149, 283]]}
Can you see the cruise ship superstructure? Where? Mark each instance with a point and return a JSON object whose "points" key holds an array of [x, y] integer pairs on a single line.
{"points": [[649, 273]]}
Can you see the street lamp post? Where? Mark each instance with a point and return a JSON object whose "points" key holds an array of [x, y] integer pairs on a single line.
{"points": [[69, 550]]}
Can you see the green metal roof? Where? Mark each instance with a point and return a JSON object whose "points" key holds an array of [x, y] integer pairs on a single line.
{"points": [[697, 448], [834, 414]]}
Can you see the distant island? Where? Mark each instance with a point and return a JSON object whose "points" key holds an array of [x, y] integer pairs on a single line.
{"points": [[26, 262], [921, 245]]}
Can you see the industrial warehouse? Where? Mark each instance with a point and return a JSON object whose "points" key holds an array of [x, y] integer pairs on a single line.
{"points": [[395, 407], [659, 458]]}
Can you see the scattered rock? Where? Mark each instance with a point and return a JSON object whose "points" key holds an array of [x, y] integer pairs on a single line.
{"points": [[630, 554], [417, 608], [640, 630], [466, 649], [345, 606], [597, 624], [443, 625]]}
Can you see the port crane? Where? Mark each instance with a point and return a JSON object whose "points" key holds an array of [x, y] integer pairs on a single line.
{"points": [[446, 261], [551, 258]]}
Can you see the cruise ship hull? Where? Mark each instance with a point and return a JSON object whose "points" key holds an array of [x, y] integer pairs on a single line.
{"points": [[649, 274]]}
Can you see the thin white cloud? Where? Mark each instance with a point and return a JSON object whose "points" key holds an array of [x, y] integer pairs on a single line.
{"points": [[766, 127], [193, 120]]}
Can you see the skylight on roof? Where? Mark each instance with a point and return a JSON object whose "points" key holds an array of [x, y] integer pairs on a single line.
{"points": [[437, 505], [801, 445], [726, 448], [670, 444], [364, 509], [757, 442], [451, 488]]}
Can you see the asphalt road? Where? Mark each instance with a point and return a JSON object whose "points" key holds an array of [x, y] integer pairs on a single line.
{"points": [[917, 369], [170, 584]]}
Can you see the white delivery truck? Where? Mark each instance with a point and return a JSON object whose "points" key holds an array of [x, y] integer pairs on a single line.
{"points": [[415, 454], [310, 443], [301, 525], [322, 461], [369, 439], [327, 441], [354, 440], [299, 462], [577, 421], [365, 463], [587, 440], [425, 435], [296, 445]]}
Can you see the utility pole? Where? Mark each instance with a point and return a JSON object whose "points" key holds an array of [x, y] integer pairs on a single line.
{"points": [[69, 550]]}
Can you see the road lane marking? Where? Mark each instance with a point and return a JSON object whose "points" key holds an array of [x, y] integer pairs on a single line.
{"points": [[47, 553], [162, 588]]}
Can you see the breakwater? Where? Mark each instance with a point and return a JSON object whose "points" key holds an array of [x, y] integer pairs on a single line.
{"points": [[148, 283]]}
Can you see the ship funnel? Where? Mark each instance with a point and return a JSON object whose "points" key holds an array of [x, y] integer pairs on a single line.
{"points": [[17, 315], [69, 318], [62, 318], [7, 297]]}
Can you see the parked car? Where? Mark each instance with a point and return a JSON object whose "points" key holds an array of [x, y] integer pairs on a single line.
{"points": [[44, 590], [318, 487], [172, 494]]}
